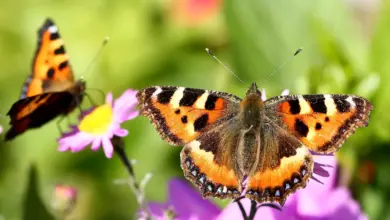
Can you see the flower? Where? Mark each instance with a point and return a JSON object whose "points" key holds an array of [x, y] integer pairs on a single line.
{"points": [[194, 11], [98, 125], [1, 129], [184, 203], [327, 201], [64, 198]]}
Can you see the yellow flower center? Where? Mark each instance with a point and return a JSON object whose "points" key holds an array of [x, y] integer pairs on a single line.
{"points": [[98, 121]]}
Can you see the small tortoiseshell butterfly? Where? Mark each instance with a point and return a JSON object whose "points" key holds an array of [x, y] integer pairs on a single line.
{"points": [[267, 143], [50, 90]]}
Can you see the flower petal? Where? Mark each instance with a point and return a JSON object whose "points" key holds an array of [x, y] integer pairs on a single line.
{"points": [[107, 147], [186, 200], [121, 132], [109, 98], [96, 144], [1, 129]]}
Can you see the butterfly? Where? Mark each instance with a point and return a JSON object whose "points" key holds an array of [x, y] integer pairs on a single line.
{"points": [[50, 90], [266, 143]]}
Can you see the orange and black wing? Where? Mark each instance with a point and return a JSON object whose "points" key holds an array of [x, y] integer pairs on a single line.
{"points": [[34, 111], [182, 114], [321, 122], [284, 165], [209, 162], [50, 65]]}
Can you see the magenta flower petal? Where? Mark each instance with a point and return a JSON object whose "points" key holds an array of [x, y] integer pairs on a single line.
{"points": [[107, 147], [109, 98], [185, 202], [121, 132], [1, 129], [96, 144]]}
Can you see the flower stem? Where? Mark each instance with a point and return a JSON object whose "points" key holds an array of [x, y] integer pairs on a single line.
{"points": [[138, 189]]}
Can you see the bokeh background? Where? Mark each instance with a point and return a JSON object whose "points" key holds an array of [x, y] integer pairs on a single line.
{"points": [[161, 42]]}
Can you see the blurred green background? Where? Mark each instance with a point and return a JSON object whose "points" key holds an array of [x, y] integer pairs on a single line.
{"points": [[161, 42]]}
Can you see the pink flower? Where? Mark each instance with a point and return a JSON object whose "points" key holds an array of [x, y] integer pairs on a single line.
{"points": [[184, 202], [194, 11], [64, 198], [1, 129], [98, 125]]}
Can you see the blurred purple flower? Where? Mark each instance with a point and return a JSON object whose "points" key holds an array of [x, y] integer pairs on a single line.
{"points": [[98, 125], [317, 201], [1, 129], [185, 202]]}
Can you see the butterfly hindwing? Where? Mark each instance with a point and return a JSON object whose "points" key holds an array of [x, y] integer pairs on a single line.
{"points": [[182, 114], [208, 163], [51, 62], [284, 165], [321, 122], [34, 111]]}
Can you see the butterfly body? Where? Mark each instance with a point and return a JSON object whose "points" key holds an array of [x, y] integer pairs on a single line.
{"points": [[50, 90], [261, 146]]}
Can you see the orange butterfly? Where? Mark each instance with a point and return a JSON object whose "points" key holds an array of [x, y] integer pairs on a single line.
{"points": [[50, 90]]}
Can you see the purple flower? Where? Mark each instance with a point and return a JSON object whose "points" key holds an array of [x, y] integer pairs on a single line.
{"points": [[98, 125], [317, 201], [1, 129], [185, 203]]}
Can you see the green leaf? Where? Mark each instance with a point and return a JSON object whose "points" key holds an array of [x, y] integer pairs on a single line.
{"points": [[33, 207]]}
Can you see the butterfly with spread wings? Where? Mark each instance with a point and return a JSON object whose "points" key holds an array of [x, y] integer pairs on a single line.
{"points": [[267, 143], [50, 90]]}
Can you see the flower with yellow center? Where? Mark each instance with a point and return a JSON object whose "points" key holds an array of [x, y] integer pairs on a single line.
{"points": [[99, 125]]}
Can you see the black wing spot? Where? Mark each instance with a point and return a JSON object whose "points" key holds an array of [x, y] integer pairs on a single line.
{"points": [[60, 50], [177, 111], [184, 119], [190, 96], [295, 108], [54, 36], [342, 105], [50, 73], [301, 127], [318, 126], [164, 97], [327, 119], [63, 65], [210, 103], [201, 122], [317, 103]]}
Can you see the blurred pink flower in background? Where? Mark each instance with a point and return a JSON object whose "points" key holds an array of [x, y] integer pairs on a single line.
{"points": [[1, 129], [64, 199], [185, 202], [194, 11], [98, 125]]}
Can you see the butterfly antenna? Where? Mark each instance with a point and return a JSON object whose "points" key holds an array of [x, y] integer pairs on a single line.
{"points": [[226, 67], [105, 41], [282, 65]]}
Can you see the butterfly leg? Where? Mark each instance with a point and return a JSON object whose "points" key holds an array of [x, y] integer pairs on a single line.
{"points": [[90, 99]]}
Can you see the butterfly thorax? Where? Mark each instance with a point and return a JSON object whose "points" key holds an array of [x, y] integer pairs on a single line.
{"points": [[251, 110]]}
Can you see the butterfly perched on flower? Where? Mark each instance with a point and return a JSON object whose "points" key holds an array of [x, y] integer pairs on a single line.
{"points": [[50, 90], [267, 143]]}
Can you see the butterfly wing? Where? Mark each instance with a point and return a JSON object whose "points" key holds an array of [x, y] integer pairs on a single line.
{"points": [[34, 111], [321, 122], [50, 65], [284, 165], [180, 114]]}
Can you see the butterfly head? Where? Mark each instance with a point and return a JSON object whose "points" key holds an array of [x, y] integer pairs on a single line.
{"points": [[253, 91]]}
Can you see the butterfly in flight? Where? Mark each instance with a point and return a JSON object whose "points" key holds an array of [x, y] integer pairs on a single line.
{"points": [[50, 90], [266, 143]]}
